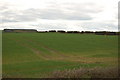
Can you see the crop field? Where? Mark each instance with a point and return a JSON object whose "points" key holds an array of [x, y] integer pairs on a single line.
{"points": [[39, 55]]}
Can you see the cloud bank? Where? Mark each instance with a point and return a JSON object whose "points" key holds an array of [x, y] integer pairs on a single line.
{"points": [[58, 15]]}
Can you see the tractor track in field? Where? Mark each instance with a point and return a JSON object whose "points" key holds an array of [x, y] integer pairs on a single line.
{"points": [[58, 55], [34, 50], [47, 48], [54, 54]]}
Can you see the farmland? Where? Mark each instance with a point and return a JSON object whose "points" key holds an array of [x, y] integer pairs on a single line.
{"points": [[37, 55]]}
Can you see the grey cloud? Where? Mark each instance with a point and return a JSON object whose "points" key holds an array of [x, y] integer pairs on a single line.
{"points": [[90, 26], [20, 16], [54, 14], [84, 7], [3, 7], [8, 20], [99, 26], [50, 26], [79, 12], [84, 26], [81, 17]]}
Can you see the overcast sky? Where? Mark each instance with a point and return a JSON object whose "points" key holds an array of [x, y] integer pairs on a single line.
{"points": [[92, 15]]}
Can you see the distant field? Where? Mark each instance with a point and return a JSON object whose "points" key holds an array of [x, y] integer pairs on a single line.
{"points": [[37, 55]]}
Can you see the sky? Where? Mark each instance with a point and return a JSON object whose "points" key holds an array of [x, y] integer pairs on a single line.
{"points": [[77, 15]]}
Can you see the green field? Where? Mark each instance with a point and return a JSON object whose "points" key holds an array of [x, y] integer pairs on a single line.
{"points": [[37, 55]]}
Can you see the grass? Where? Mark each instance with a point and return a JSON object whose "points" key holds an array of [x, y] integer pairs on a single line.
{"points": [[36, 55]]}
